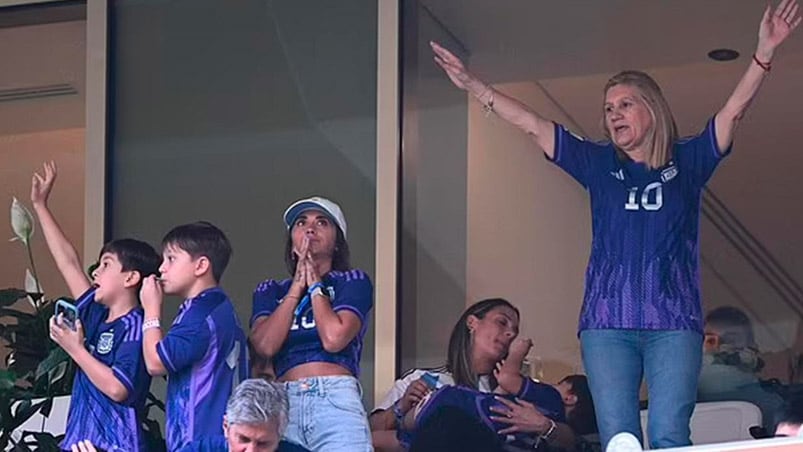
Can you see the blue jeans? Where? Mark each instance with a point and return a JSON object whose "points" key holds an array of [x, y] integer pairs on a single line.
{"points": [[616, 361], [326, 413]]}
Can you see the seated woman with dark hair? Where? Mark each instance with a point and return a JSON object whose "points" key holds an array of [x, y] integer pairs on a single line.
{"points": [[480, 341]]}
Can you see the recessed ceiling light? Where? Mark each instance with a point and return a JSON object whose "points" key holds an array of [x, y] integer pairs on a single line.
{"points": [[723, 54]]}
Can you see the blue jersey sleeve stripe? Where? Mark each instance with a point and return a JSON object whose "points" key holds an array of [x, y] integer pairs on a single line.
{"points": [[556, 152], [129, 385], [160, 350], [85, 298], [135, 331], [257, 315], [524, 388], [346, 307]]}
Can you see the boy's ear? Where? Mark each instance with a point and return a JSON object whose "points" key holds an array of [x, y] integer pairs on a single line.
{"points": [[132, 279], [202, 266]]}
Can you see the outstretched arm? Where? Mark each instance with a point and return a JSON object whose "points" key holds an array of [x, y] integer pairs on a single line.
{"points": [[508, 108], [67, 260], [776, 26]]}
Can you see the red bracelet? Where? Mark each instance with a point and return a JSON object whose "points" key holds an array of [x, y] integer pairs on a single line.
{"points": [[766, 66]]}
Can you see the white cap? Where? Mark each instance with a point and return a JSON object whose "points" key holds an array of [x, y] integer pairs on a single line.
{"points": [[331, 209]]}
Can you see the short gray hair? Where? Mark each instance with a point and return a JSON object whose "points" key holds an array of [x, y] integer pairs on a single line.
{"points": [[256, 401]]}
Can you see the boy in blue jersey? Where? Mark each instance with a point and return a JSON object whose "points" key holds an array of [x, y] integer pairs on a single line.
{"points": [[111, 382], [204, 353]]}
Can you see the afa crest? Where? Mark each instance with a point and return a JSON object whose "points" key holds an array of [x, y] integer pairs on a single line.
{"points": [[105, 343]]}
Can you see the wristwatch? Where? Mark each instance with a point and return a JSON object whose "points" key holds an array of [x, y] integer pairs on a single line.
{"points": [[320, 291]]}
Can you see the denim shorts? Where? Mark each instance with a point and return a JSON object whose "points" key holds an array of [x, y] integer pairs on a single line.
{"points": [[326, 413]]}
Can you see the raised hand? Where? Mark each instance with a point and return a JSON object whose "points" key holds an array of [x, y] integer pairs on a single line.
{"points": [[456, 70], [520, 416], [68, 339], [83, 446], [312, 272], [417, 390], [151, 296], [41, 184], [299, 285], [776, 26], [519, 349]]}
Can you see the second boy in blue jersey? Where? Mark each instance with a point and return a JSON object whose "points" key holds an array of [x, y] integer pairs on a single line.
{"points": [[204, 353]]}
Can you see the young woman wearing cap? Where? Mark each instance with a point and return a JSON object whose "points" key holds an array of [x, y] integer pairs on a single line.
{"points": [[312, 325], [641, 314]]}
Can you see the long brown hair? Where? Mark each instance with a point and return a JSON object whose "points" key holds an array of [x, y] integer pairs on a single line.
{"points": [[458, 362], [664, 132]]}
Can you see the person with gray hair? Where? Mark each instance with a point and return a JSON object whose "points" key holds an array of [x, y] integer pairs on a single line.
{"points": [[731, 364], [255, 421]]}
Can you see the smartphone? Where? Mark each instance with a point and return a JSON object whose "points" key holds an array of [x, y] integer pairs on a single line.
{"points": [[69, 312], [430, 380]]}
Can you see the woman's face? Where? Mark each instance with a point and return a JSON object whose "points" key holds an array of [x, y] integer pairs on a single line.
{"points": [[492, 334], [627, 117], [319, 229]]}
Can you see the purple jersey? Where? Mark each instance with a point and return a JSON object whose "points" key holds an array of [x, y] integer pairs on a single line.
{"points": [[350, 291], [108, 424], [206, 355], [643, 271]]}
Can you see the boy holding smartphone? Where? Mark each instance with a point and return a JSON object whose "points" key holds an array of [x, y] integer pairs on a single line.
{"points": [[105, 341]]}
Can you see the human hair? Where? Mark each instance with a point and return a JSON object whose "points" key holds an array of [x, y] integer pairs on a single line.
{"points": [[340, 258], [202, 239], [256, 401], [732, 326], [791, 411], [134, 255], [458, 361], [664, 131], [582, 418]]}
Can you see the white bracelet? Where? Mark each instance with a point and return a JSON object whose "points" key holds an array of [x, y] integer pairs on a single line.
{"points": [[150, 323]]}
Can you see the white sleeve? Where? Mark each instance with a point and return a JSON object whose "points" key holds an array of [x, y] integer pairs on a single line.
{"points": [[397, 391]]}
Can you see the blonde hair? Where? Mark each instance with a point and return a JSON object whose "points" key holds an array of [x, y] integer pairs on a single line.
{"points": [[664, 132]]}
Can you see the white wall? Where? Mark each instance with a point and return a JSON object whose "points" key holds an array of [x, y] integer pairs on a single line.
{"points": [[20, 156], [529, 231]]}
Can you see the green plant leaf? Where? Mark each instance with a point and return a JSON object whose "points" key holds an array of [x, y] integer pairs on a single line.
{"points": [[58, 372], [10, 296], [47, 407], [53, 359], [17, 314], [7, 379], [45, 441]]}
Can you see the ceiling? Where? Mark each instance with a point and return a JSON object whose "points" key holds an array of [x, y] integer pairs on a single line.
{"points": [[571, 47], [42, 54]]}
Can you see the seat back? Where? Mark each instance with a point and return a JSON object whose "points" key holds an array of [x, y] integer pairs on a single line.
{"points": [[717, 422]]}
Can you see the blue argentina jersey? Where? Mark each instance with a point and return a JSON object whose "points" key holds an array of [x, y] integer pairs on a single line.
{"points": [[206, 355], [92, 415], [643, 271], [478, 405], [348, 291]]}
